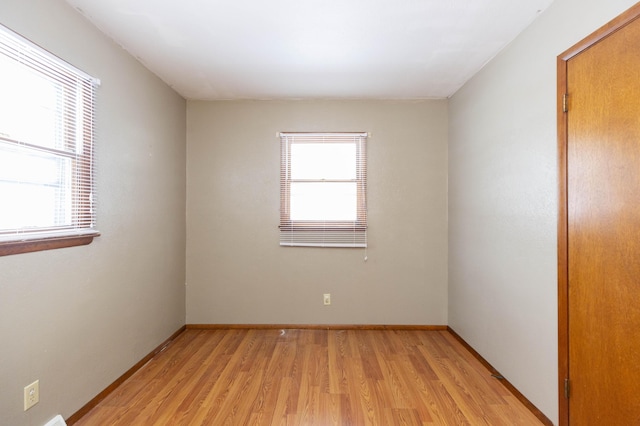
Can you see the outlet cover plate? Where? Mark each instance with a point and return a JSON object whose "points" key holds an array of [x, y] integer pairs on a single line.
{"points": [[31, 394]]}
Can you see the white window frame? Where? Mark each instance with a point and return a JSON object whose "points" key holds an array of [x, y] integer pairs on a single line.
{"points": [[70, 146], [323, 233]]}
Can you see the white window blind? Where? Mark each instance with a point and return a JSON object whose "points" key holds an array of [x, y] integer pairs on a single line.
{"points": [[46, 143], [323, 189]]}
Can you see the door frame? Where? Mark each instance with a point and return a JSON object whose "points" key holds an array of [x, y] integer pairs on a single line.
{"points": [[563, 244]]}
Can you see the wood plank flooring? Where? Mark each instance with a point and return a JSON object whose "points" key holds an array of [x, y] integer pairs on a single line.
{"points": [[311, 377]]}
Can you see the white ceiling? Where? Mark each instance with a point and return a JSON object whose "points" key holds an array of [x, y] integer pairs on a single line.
{"points": [[320, 49]]}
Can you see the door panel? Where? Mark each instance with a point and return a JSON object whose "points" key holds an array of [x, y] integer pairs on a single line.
{"points": [[603, 213]]}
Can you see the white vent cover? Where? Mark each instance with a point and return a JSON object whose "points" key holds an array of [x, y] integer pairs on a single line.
{"points": [[56, 421]]}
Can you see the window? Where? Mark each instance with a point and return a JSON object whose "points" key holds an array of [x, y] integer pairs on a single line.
{"points": [[323, 185], [46, 149]]}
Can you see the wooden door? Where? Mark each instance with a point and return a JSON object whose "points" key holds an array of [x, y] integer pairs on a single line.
{"points": [[600, 293]]}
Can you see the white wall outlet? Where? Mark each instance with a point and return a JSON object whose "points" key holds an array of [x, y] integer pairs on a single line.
{"points": [[326, 298], [31, 394]]}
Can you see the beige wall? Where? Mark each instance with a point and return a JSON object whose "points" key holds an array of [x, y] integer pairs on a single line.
{"points": [[503, 201], [237, 272], [77, 318]]}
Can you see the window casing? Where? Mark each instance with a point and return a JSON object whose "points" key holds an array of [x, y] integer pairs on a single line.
{"points": [[323, 187], [46, 149]]}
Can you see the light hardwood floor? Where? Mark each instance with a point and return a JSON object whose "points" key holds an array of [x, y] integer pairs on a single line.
{"points": [[312, 377]]}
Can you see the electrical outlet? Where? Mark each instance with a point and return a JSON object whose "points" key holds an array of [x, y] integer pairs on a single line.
{"points": [[326, 298], [31, 395]]}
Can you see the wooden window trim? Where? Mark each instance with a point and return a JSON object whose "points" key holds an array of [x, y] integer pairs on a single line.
{"points": [[45, 243]]}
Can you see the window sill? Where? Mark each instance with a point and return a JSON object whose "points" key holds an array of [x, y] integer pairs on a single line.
{"points": [[41, 243]]}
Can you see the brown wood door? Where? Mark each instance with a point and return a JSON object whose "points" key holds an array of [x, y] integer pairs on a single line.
{"points": [[603, 231]]}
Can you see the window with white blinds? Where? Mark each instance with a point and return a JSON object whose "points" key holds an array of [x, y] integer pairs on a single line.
{"points": [[323, 189], [46, 144]]}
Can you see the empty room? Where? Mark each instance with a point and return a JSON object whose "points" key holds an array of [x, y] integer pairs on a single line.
{"points": [[317, 213]]}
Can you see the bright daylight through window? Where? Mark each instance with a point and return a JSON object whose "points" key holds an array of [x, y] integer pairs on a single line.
{"points": [[323, 185], [46, 146]]}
